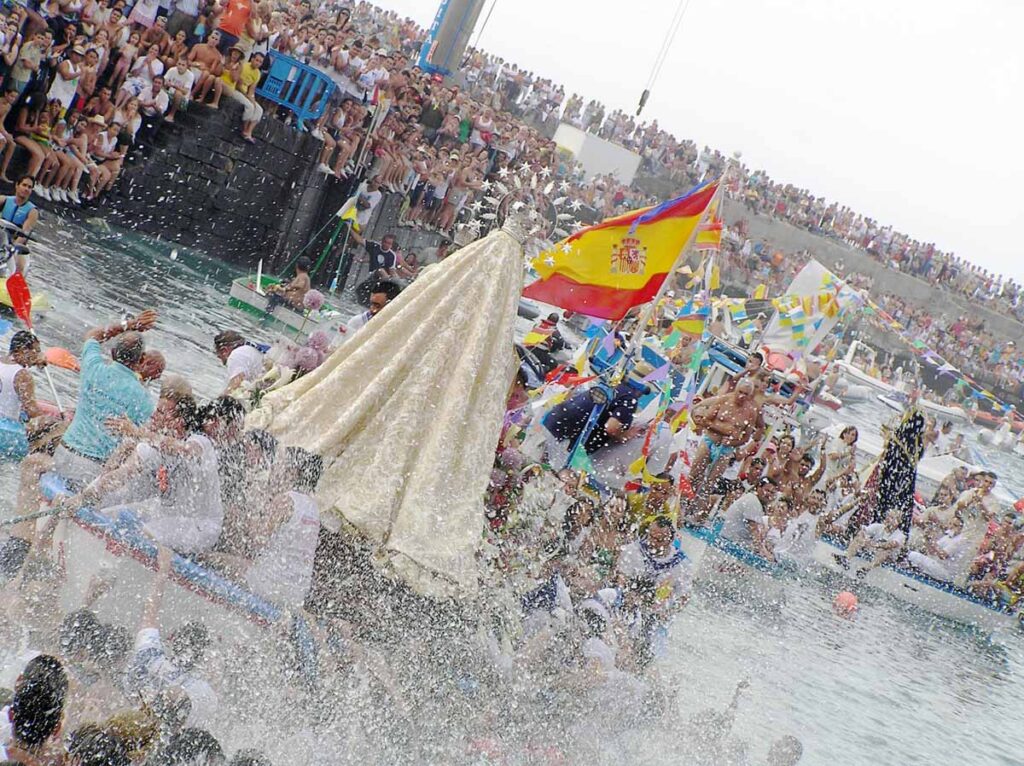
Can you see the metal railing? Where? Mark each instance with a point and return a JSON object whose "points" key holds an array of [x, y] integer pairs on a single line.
{"points": [[300, 88]]}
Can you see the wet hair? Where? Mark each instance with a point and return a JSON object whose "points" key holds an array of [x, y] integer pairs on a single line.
{"points": [[249, 757], [387, 287], [227, 339], [23, 340], [113, 646], [23, 176], [38, 705], [847, 430], [191, 414], [303, 264], [264, 441], [90, 745], [758, 354], [224, 408], [192, 746], [664, 522], [789, 438], [129, 349], [307, 466], [189, 643], [80, 631], [172, 707]]}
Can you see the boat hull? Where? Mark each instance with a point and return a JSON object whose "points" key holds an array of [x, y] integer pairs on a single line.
{"points": [[243, 296], [932, 596]]}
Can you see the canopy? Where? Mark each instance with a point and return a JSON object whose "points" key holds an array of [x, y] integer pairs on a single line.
{"points": [[407, 415]]}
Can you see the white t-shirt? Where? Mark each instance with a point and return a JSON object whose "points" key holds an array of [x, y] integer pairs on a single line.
{"points": [[189, 515], [283, 570], [151, 671], [877, 533], [747, 507], [672, 574], [796, 543], [363, 216], [247, 362], [184, 80]]}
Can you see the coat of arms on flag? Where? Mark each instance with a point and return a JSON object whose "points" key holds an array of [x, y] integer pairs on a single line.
{"points": [[629, 257]]}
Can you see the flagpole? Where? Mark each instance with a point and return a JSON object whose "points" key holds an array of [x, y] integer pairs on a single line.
{"points": [[646, 315]]}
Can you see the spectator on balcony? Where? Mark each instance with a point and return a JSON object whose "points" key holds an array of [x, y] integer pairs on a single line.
{"points": [[207, 65], [152, 106]]}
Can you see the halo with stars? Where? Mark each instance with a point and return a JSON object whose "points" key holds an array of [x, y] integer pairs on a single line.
{"points": [[529, 194]]}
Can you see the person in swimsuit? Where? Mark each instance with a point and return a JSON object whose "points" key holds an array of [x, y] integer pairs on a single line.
{"points": [[727, 422]]}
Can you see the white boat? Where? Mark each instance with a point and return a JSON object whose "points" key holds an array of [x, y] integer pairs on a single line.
{"points": [[240, 623], [707, 549], [856, 376], [245, 297], [935, 597]]}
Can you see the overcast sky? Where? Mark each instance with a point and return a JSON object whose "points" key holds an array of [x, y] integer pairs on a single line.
{"points": [[909, 111]]}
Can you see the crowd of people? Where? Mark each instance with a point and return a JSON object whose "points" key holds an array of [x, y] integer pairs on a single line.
{"points": [[524, 94], [774, 494], [83, 82], [964, 341]]}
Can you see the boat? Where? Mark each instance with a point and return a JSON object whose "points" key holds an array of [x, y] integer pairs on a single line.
{"points": [[940, 412], [709, 553], [857, 377], [993, 421], [245, 297], [933, 596], [91, 545], [931, 469], [825, 399]]}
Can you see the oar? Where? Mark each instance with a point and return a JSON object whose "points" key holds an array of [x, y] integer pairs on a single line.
{"points": [[61, 357], [31, 516], [21, 301]]}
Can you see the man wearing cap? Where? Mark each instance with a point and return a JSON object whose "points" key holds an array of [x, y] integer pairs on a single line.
{"points": [[108, 390], [244, 362], [65, 82]]}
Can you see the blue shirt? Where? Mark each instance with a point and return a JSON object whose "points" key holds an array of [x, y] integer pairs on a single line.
{"points": [[108, 390]]}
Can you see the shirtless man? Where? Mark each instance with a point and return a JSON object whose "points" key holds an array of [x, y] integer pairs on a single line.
{"points": [[727, 422], [207, 64]]}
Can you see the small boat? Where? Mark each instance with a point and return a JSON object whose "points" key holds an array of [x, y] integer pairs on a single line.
{"points": [[933, 596], [708, 551], [245, 297], [891, 403], [91, 545], [825, 399], [993, 421]]}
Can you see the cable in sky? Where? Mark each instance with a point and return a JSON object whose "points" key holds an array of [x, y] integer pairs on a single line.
{"points": [[666, 45]]}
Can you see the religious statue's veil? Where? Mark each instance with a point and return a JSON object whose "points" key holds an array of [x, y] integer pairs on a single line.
{"points": [[407, 415]]}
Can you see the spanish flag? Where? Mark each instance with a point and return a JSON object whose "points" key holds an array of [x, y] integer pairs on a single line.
{"points": [[606, 269]]}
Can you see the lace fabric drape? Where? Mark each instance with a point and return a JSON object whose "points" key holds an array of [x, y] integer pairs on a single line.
{"points": [[407, 415]]}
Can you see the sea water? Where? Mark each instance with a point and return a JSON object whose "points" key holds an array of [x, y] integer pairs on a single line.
{"points": [[891, 685]]}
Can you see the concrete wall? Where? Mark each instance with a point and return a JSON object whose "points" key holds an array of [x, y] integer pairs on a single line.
{"points": [[202, 186]]}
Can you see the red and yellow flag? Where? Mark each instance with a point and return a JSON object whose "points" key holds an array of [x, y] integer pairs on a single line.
{"points": [[709, 236], [606, 269]]}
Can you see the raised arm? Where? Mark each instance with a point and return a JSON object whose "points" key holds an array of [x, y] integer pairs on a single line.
{"points": [[141, 323]]}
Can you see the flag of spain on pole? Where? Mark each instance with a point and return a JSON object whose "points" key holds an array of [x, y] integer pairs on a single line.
{"points": [[605, 269]]}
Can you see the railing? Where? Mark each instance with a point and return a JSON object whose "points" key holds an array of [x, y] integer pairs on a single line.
{"points": [[298, 87]]}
